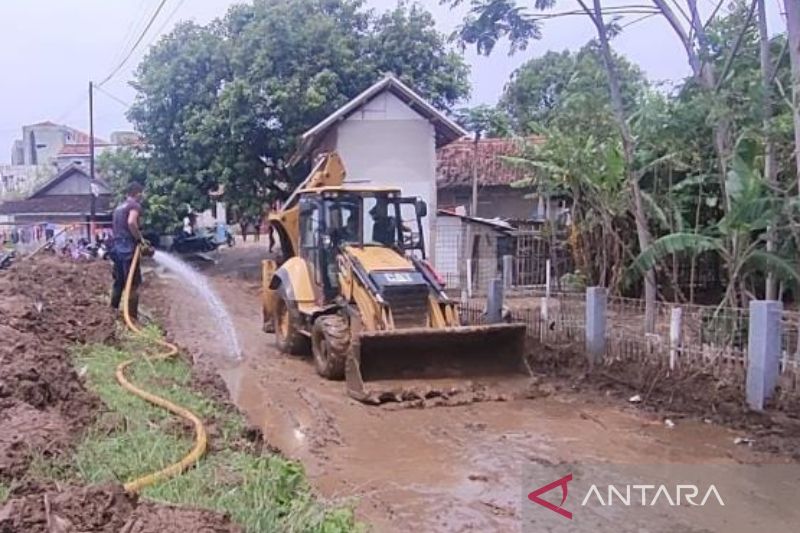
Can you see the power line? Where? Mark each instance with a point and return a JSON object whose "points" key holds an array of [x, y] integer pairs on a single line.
{"points": [[167, 21], [115, 98], [136, 44], [135, 25]]}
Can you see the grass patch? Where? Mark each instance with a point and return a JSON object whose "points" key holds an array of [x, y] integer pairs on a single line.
{"points": [[261, 492], [3, 493]]}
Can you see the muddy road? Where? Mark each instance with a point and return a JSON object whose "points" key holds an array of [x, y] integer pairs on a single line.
{"points": [[432, 469]]}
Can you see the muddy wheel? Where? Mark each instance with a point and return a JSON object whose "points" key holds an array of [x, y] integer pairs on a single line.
{"points": [[330, 342], [286, 322], [267, 322]]}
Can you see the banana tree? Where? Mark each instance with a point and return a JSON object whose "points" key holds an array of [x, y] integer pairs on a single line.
{"points": [[739, 238], [591, 172]]}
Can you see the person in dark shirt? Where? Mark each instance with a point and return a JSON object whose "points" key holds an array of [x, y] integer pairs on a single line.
{"points": [[383, 225], [127, 235]]}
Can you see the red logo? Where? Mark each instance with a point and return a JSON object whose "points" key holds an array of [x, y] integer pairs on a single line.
{"points": [[534, 496]]}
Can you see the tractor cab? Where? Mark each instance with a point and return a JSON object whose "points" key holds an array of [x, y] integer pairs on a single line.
{"points": [[335, 218]]}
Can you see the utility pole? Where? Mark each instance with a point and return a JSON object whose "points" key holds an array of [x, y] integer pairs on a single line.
{"points": [[92, 185], [474, 210]]}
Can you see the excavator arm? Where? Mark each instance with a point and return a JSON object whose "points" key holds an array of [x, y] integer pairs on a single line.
{"points": [[328, 171]]}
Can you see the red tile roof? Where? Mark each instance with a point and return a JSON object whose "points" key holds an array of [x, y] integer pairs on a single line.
{"points": [[454, 162], [79, 148]]}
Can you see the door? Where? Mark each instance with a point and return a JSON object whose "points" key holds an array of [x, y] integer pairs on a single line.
{"points": [[310, 236]]}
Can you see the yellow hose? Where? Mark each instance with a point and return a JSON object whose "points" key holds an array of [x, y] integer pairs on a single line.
{"points": [[201, 439]]}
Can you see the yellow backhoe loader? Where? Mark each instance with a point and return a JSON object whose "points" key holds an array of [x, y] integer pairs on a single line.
{"points": [[353, 288]]}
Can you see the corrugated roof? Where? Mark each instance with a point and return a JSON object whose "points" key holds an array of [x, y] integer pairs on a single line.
{"points": [[496, 223], [447, 130], [80, 148], [63, 204], [454, 162], [61, 176]]}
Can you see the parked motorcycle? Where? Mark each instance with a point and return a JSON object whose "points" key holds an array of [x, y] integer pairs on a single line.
{"points": [[192, 244], [6, 258]]}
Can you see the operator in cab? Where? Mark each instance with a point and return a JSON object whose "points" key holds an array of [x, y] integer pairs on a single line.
{"points": [[127, 235], [383, 225]]}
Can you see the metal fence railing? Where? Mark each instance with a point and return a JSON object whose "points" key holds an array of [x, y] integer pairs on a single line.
{"points": [[686, 338]]}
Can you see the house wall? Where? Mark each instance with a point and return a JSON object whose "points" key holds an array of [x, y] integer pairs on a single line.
{"points": [[386, 143], [17, 181], [503, 202], [17, 153], [46, 141], [449, 249]]}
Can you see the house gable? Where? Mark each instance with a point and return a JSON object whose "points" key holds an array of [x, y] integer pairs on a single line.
{"points": [[71, 181]]}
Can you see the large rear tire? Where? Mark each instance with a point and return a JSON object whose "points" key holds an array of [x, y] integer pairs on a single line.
{"points": [[286, 324], [330, 343]]}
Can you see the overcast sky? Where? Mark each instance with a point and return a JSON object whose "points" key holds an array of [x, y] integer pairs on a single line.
{"points": [[50, 49]]}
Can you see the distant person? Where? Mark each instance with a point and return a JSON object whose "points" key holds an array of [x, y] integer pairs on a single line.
{"points": [[243, 226], [127, 235], [257, 227], [271, 235], [188, 231]]}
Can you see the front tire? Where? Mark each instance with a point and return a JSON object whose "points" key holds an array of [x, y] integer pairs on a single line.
{"points": [[330, 343], [286, 324]]}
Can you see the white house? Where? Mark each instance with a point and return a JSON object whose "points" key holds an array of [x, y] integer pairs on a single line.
{"points": [[387, 136]]}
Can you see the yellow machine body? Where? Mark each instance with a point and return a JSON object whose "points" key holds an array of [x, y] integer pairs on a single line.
{"points": [[370, 308]]}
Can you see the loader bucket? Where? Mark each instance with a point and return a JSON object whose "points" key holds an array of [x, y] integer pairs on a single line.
{"points": [[428, 354]]}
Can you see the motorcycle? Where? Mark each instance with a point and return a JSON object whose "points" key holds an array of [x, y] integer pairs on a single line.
{"points": [[6, 258], [192, 244]]}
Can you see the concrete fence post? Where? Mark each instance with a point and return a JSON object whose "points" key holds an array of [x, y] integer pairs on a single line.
{"points": [[508, 271], [595, 324], [494, 302], [469, 277], [763, 351], [546, 301], [675, 335]]}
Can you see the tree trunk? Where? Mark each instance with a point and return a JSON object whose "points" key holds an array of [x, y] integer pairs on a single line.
{"points": [[628, 149], [770, 154], [703, 71], [793, 30]]}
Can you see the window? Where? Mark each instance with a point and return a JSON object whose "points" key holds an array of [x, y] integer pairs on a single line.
{"points": [[380, 221], [310, 224], [344, 220]]}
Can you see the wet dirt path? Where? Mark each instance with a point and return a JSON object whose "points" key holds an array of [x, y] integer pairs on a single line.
{"points": [[437, 469]]}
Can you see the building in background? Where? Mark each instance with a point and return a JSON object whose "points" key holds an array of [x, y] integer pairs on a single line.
{"points": [[17, 181], [387, 136], [17, 153], [60, 146], [65, 200], [499, 195]]}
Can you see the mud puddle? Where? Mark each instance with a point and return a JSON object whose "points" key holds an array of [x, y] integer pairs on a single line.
{"points": [[449, 468]]}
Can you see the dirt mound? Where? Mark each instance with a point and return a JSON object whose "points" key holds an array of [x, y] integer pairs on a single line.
{"points": [[154, 518], [102, 508], [57, 300], [23, 429], [46, 305]]}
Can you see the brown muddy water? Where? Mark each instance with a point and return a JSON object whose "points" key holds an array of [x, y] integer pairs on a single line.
{"points": [[446, 468]]}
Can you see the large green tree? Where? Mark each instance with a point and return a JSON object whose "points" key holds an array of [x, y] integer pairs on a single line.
{"points": [[223, 104], [558, 88]]}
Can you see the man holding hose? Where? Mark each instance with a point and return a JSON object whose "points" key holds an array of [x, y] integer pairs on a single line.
{"points": [[127, 235]]}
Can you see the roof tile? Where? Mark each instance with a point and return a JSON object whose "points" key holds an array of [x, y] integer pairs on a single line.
{"points": [[454, 162]]}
